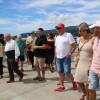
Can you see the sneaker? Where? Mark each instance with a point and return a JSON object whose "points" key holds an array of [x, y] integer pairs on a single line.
{"points": [[1, 76], [33, 68], [22, 70], [10, 81], [36, 78], [74, 85], [20, 78], [60, 89], [41, 79]]}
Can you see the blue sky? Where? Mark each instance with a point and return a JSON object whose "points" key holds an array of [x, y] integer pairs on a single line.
{"points": [[20, 16]]}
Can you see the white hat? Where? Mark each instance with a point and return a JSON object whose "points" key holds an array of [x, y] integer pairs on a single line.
{"points": [[96, 24]]}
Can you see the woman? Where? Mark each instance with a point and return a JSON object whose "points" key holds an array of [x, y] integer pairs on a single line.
{"points": [[1, 58], [86, 43], [50, 52]]}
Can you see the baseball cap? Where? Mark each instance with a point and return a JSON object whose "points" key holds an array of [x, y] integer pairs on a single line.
{"points": [[60, 25], [96, 24], [83, 26]]}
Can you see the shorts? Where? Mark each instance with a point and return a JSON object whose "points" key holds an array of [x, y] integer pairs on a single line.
{"points": [[63, 65], [93, 80], [39, 61], [21, 58]]}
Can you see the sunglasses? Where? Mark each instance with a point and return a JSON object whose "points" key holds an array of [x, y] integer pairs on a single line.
{"points": [[58, 28], [81, 31]]}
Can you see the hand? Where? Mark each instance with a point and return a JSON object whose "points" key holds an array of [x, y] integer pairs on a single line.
{"points": [[54, 62], [68, 55], [16, 59], [35, 47], [99, 75]]}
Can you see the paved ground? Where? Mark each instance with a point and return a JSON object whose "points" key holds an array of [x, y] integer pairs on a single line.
{"points": [[29, 89]]}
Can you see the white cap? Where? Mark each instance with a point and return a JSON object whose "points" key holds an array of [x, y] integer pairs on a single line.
{"points": [[96, 24]]}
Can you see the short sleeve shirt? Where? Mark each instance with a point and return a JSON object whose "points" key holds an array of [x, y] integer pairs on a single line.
{"points": [[39, 42], [63, 44]]}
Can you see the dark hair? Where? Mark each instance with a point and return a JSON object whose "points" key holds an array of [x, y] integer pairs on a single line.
{"points": [[51, 35], [41, 29], [1, 35], [32, 32]]}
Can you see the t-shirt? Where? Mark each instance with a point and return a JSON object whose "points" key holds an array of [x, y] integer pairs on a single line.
{"points": [[21, 46], [95, 66], [1, 50], [39, 42], [63, 44]]}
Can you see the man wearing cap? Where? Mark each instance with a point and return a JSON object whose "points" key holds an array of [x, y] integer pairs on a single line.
{"points": [[94, 73], [65, 46], [12, 52], [30, 42]]}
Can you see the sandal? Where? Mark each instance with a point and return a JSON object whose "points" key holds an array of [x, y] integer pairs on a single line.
{"points": [[52, 69]]}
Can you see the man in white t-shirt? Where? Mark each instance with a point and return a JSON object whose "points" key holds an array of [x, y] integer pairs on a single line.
{"points": [[65, 46]]}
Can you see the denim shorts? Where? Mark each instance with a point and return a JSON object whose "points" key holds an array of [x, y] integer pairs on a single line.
{"points": [[93, 80], [63, 65]]}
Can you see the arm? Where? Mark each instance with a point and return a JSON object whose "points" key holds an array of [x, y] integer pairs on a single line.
{"points": [[44, 46], [17, 52], [73, 47]]}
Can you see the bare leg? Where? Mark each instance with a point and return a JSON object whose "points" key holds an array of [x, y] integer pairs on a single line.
{"points": [[82, 86], [38, 71], [43, 72], [61, 78], [87, 92], [92, 94], [22, 65], [70, 76]]}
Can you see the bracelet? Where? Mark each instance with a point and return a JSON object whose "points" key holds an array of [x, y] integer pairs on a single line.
{"points": [[70, 54]]}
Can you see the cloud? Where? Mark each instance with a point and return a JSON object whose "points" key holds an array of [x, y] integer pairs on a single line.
{"points": [[4, 21], [29, 15]]}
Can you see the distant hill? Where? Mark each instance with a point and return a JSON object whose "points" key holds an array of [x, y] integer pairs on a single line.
{"points": [[72, 29]]}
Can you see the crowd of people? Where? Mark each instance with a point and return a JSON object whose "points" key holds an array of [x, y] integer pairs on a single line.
{"points": [[43, 52]]}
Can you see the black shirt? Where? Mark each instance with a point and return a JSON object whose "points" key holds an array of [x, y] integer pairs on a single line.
{"points": [[39, 42]]}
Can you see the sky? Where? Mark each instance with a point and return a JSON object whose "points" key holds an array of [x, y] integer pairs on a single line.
{"points": [[22, 16]]}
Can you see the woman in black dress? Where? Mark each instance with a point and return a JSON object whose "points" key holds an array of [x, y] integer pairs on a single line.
{"points": [[50, 52]]}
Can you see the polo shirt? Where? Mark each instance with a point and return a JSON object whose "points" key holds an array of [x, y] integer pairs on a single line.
{"points": [[39, 42]]}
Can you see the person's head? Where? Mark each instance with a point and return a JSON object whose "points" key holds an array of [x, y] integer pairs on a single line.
{"points": [[8, 37], [84, 29], [50, 36], [40, 31], [96, 28], [19, 37], [1, 36], [32, 34], [60, 28]]}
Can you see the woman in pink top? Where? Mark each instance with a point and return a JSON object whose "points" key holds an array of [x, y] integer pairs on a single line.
{"points": [[94, 73]]}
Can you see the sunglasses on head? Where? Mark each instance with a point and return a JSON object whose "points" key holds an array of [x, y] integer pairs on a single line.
{"points": [[58, 28]]}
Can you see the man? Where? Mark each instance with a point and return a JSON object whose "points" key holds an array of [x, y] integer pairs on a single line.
{"points": [[65, 46], [12, 52], [94, 73], [21, 46], [40, 54], [30, 42]]}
